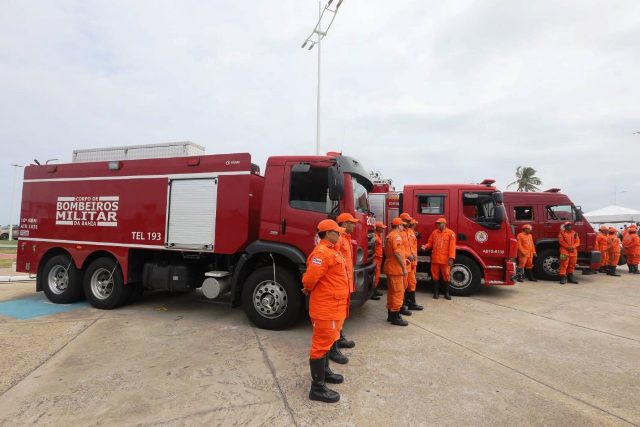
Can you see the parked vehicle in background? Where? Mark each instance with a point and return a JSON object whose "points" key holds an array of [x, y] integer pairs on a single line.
{"points": [[6, 230], [546, 211], [485, 246], [109, 229]]}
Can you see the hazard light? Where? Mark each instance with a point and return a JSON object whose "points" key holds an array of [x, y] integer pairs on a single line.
{"points": [[488, 182], [552, 190]]}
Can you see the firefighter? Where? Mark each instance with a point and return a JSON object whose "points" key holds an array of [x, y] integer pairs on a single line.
{"points": [[377, 258], [602, 243], [526, 252], [326, 283], [569, 243], [404, 310], [348, 222], [614, 252], [442, 241], [631, 245], [395, 267], [410, 293]]}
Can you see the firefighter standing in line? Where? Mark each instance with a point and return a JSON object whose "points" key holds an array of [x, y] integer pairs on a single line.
{"points": [[348, 222], [602, 243], [614, 252], [569, 243], [395, 267], [377, 258], [326, 282], [442, 241], [526, 252], [412, 282], [631, 245], [404, 310]]}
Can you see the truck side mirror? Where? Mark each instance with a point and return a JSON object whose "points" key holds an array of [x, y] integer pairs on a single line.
{"points": [[579, 215], [500, 214], [498, 197], [336, 183]]}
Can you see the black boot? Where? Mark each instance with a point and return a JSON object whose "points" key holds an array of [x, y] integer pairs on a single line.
{"points": [[330, 376], [336, 355], [397, 320], [571, 279], [375, 296], [319, 390], [404, 310], [530, 276], [411, 300], [447, 289], [343, 342], [563, 280], [602, 269], [389, 316], [519, 275], [630, 267], [436, 289], [377, 292], [613, 269], [635, 269]]}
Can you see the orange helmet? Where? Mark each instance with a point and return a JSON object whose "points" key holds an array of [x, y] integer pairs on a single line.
{"points": [[633, 228], [613, 230], [441, 220], [379, 224], [397, 221], [346, 217], [329, 225], [527, 227], [603, 228], [405, 216]]}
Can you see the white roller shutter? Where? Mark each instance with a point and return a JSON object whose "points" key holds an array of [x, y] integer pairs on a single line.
{"points": [[192, 213]]}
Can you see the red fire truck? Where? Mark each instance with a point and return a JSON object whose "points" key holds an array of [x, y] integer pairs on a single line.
{"points": [[546, 211], [485, 246], [108, 230]]}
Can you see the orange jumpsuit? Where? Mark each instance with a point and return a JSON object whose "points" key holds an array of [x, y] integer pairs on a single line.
{"points": [[377, 258], [407, 252], [393, 270], [443, 245], [411, 270], [602, 243], [526, 250], [568, 257], [614, 249], [631, 245], [344, 247], [326, 281]]}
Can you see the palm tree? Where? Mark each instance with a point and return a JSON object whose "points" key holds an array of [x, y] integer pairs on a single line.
{"points": [[526, 179]]}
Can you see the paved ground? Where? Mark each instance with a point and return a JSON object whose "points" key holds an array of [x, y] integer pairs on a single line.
{"points": [[534, 354]]}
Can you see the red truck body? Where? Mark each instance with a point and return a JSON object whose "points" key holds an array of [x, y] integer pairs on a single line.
{"points": [[213, 221], [485, 244], [546, 211]]}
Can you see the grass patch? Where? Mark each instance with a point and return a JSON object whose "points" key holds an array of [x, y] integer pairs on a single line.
{"points": [[6, 263], [8, 243], [11, 251]]}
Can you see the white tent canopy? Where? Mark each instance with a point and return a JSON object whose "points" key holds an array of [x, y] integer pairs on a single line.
{"points": [[613, 214]]}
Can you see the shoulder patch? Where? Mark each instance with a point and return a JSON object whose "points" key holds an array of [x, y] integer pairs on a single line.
{"points": [[316, 261], [398, 239]]}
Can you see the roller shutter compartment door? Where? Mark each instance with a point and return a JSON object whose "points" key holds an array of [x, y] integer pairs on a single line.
{"points": [[192, 213]]}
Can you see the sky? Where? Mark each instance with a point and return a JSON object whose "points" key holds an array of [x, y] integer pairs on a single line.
{"points": [[423, 91]]}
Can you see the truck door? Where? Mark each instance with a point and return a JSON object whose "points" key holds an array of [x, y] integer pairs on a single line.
{"points": [[522, 214], [305, 202], [191, 213], [429, 206], [554, 216]]}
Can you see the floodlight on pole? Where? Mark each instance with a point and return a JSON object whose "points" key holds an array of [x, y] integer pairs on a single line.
{"points": [[314, 38], [13, 191]]}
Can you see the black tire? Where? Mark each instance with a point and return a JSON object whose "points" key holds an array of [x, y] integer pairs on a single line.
{"points": [[61, 280], [4, 236], [547, 264], [466, 276], [285, 299], [104, 286]]}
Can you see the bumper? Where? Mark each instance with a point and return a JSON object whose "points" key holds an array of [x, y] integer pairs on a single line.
{"points": [[364, 276]]}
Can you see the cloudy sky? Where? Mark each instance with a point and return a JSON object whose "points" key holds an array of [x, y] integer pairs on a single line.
{"points": [[424, 91]]}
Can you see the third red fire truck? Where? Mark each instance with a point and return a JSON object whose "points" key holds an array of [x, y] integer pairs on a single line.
{"points": [[107, 228], [486, 247]]}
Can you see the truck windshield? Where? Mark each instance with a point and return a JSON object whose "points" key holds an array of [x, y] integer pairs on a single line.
{"points": [[360, 196], [480, 208]]}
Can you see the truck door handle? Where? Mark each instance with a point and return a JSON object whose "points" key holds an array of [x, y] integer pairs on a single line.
{"points": [[462, 237], [283, 226]]}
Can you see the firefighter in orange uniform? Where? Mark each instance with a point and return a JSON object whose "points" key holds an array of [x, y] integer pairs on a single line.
{"points": [[410, 292], [442, 242], [569, 243], [614, 252], [326, 283], [631, 245], [377, 258], [395, 267], [602, 243], [526, 252], [405, 217], [348, 222]]}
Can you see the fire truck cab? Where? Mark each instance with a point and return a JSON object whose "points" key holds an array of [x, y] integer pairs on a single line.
{"points": [[108, 230], [485, 244], [546, 211]]}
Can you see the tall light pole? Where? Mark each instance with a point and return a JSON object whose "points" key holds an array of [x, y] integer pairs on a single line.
{"points": [[316, 36], [615, 194], [13, 191]]}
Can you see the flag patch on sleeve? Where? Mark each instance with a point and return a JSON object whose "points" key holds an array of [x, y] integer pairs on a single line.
{"points": [[316, 261]]}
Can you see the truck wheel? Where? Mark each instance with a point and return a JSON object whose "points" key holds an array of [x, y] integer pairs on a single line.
{"points": [[272, 304], [62, 280], [104, 286], [547, 264], [4, 236], [466, 276]]}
